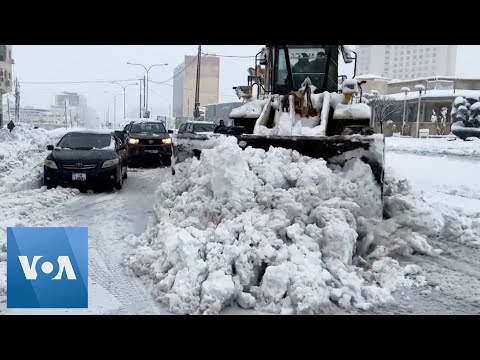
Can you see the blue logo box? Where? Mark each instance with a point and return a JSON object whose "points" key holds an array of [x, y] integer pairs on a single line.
{"points": [[47, 267]]}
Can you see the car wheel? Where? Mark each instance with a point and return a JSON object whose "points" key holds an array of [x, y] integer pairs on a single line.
{"points": [[49, 184], [119, 184]]}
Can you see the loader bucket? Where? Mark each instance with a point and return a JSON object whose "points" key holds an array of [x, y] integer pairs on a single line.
{"points": [[333, 149]]}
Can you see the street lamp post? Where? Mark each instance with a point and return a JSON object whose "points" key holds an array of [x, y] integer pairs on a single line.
{"points": [[375, 94], [147, 71], [124, 92], [114, 107], [420, 88], [406, 90]]}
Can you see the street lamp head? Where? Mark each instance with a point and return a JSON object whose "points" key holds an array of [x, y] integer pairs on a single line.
{"points": [[405, 89], [420, 88]]}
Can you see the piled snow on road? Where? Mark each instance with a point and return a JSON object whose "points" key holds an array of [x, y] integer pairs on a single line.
{"points": [[22, 152], [433, 146], [279, 232]]}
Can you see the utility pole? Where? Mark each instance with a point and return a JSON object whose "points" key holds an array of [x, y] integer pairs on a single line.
{"points": [[140, 106], [66, 121], [144, 97], [8, 108], [114, 110], [17, 100], [71, 120], [196, 111]]}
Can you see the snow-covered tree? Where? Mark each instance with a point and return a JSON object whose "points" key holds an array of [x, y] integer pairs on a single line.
{"points": [[384, 106], [467, 110]]}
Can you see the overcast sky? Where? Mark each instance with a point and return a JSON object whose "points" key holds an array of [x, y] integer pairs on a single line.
{"points": [[42, 63]]}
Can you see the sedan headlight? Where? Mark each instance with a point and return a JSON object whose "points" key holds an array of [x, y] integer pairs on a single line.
{"points": [[110, 163], [51, 164], [167, 141], [134, 141]]}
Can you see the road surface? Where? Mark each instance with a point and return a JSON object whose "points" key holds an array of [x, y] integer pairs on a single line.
{"points": [[454, 276]]}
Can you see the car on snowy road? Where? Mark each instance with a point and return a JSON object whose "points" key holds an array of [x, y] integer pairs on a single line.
{"points": [[149, 143], [85, 160], [197, 127]]}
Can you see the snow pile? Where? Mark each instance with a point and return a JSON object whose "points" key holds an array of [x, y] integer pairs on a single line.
{"points": [[278, 232], [352, 111], [433, 146], [251, 109], [22, 152]]}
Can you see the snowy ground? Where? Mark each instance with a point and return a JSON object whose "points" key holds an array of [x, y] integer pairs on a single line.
{"points": [[111, 218], [450, 185], [434, 146], [164, 239]]}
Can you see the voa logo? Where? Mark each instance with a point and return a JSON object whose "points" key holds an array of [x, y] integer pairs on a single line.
{"points": [[64, 267], [47, 267]]}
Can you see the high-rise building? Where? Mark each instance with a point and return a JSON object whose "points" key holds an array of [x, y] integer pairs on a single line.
{"points": [[406, 61], [184, 84]]}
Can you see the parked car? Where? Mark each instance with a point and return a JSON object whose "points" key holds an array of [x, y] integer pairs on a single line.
{"points": [[148, 143], [197, 127], [86, 159]]}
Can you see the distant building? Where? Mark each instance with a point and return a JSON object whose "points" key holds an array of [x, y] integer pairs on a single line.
{"points": [[184, 84], [6, 76], [217, 112], [72, 99], [76, 113], [406, 61], [435, 105]]}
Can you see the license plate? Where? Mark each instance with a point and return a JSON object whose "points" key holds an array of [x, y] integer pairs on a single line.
{"points": [[152, 151], [79, 177]]}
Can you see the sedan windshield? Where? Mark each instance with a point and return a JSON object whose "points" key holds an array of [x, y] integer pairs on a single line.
{"points": [[203, 127], [148, 128], [85, 141]]}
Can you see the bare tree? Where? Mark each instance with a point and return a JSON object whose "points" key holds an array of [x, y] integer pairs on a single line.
{"points": [[383, 106]]}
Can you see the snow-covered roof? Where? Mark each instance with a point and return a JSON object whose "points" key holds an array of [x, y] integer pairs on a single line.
{"points": [[200, 122], [435, 94], [371, 77], [91, 131], [436, 77]]}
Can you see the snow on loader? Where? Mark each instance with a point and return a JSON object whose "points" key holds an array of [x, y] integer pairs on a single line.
{"points": [[299, 106]]}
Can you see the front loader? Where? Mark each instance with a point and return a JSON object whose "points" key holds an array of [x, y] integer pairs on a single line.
{"points": [[300, 103]]}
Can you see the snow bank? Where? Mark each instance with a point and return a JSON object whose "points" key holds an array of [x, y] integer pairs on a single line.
{"points": [[22, 152], [433, 146], [278, 232]]}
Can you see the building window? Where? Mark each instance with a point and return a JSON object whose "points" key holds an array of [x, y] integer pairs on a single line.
{"points": [[9, 76]]}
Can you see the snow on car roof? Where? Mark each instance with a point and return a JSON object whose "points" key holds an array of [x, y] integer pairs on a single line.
{"points": [[91, 131]]}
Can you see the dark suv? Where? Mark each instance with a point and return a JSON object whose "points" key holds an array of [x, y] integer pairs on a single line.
{"points": [[86, 159], [148, 143]]}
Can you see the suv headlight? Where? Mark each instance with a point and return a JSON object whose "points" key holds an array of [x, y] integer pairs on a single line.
{"points": [[134, 141], [110, 163], [51, 164], [167, 141]]}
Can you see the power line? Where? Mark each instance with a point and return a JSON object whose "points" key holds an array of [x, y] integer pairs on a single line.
{"points": [[203, 92], [175, 75], [230, 56], [75, 82]]}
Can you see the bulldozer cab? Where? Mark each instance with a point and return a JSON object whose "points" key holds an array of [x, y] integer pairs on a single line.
{"points": [[292, 64]]}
